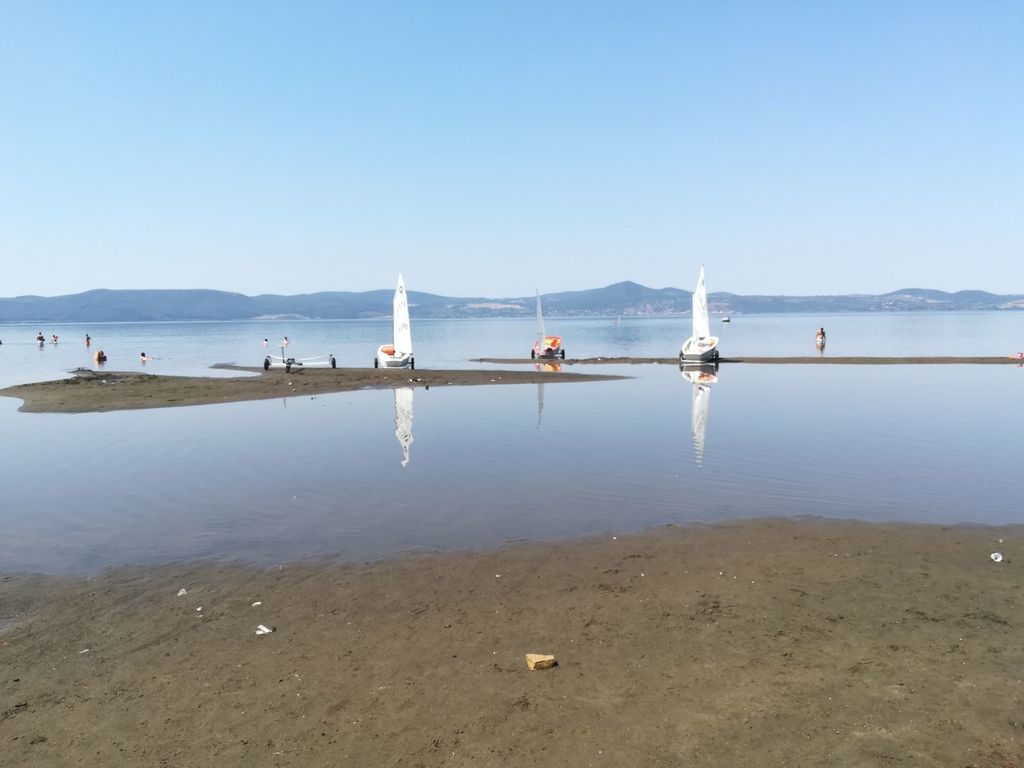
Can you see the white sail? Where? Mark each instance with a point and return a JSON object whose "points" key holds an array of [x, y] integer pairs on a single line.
{"points": [[699, 418], [540, 324], [403, 334], [403, 420], [701, 325]]}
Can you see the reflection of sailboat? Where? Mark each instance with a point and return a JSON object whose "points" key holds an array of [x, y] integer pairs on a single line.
{"points": [[701, 345], [702, 377], [403, 420], [398, 354], [545, 346], [540, 387]]}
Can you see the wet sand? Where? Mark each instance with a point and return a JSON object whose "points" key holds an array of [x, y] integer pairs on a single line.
{"points": [[769, 643], [90, 391], [807, 360]]}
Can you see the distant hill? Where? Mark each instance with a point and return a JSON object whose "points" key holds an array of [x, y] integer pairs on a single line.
{"points": [[620, 299]]}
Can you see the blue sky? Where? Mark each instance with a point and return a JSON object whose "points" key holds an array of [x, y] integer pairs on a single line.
{"points": [[493, 148]]}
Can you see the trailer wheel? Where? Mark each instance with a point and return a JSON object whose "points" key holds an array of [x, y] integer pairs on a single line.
{"points": [[266, 363], [563, 354], [376, 363], [533, 354], [412, 363], [334, 363]]}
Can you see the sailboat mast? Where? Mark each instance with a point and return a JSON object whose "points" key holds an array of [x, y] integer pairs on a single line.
{"points": [[540, 323]]}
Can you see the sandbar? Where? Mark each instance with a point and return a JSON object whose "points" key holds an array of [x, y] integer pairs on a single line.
{"points": [[782, 360], [91, 391], [766, 642]]}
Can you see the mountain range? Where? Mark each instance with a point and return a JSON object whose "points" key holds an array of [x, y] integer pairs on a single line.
{"points": [[621, 299]]}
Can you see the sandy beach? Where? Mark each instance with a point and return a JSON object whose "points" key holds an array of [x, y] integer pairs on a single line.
{"points": [[778, 643], [91, 391]]}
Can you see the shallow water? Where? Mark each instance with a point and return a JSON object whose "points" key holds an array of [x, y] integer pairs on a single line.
{"points": [[281, 480], [190, 348]]}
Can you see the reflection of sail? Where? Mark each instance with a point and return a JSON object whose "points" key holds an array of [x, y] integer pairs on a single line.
{"points": [[403, 420], [702, 377], [540, 386], [699, 418]]}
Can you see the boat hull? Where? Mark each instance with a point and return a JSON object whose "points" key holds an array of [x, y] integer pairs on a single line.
{"points": [[547, 352], [699, 350], [394, 360]]}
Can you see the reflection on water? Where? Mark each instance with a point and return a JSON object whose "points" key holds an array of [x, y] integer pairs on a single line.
{"points": [[403, 421], [267, 485], [702, 376], [540, 386]]}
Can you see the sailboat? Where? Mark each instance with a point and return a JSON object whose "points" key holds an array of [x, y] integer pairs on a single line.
{"points": [[399, 353], [545, 346], [701, 346], [403, 421], [702, 377]]}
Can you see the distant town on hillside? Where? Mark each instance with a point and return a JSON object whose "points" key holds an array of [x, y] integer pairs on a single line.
{"points": [[626, 299]]}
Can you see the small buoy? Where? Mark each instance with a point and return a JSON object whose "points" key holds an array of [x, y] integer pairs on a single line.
{"points": [[997, 557]]}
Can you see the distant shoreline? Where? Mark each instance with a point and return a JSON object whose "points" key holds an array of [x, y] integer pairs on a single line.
{"points": [[625, 299]]}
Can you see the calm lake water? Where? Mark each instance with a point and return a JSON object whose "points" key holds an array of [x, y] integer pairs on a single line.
{"points": [[283, 480]]}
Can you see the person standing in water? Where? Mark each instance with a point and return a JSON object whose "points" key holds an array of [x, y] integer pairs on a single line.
{"points": [[88, 340]]}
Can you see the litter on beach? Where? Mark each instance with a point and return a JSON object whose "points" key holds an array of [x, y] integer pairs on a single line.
{"points": [[257, 603], [540, 661], [182, 591], [262, 630], [997, 557]]}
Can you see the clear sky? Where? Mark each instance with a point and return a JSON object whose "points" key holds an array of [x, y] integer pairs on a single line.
{"points": [[491, 148]]}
